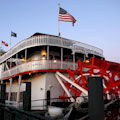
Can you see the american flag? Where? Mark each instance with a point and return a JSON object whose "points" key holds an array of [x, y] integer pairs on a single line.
{"points": [[65, 16]]}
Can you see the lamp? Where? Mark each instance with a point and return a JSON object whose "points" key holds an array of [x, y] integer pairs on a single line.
{"points": [[43, 57], [43, 53], [54, 61]]}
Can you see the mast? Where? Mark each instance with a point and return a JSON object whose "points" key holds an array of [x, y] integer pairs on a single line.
{"points": [[59, 34]]}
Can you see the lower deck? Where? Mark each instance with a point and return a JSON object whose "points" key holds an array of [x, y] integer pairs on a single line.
{"points": [[41, 83]]}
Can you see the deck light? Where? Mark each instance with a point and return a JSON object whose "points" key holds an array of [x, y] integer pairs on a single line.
{"points": [[54, 61], [43, 53], [87, 61], [23, 59], [43, 58]]}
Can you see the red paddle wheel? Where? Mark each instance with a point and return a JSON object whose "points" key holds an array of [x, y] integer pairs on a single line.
{"points": [[109, 71]]}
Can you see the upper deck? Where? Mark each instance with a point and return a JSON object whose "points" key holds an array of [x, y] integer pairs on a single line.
{"points": [[42, 52], [44, 39]]}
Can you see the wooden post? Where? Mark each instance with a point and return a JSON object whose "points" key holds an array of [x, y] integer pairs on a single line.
{"points": [[95, 98], [48, 97]]}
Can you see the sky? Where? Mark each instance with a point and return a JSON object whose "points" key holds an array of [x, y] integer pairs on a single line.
{"points": [[98, 22]]}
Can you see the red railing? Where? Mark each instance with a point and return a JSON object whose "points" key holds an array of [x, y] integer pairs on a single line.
{"points": [[109, 71]]}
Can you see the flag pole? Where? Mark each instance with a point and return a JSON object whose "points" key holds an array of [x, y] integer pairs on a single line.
{"points": [[59, 34], [10, 39]]}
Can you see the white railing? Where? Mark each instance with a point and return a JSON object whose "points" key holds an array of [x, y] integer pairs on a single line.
{"points": [[14, 104], [52, 41], [37, 65]]}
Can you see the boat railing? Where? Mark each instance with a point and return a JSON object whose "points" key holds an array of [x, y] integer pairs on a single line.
{"points": [[52, 41], [36, 66]]}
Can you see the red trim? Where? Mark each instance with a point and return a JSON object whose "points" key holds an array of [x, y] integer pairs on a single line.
{"points": [[34, 71]]}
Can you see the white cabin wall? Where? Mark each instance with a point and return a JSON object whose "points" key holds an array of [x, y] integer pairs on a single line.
{"points": [[53, 85], [40, 83], [38, 91]]}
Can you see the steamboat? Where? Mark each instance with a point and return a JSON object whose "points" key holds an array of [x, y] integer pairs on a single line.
{"points": [[36, 59], [43, 59]]}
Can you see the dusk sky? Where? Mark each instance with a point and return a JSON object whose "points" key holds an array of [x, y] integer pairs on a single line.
{"points": [[98, 22]]}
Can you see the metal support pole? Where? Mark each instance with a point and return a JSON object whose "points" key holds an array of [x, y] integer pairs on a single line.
{"points": [[47, 52], [74, 61], [16, 55], [95, 98], [61, 58], [84, 57], [18, 92], [9, 95], [26, 54], [73, 53], [10, 63]]}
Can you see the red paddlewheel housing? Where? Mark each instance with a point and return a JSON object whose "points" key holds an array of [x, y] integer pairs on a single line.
{"points": [[109, 71]]}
